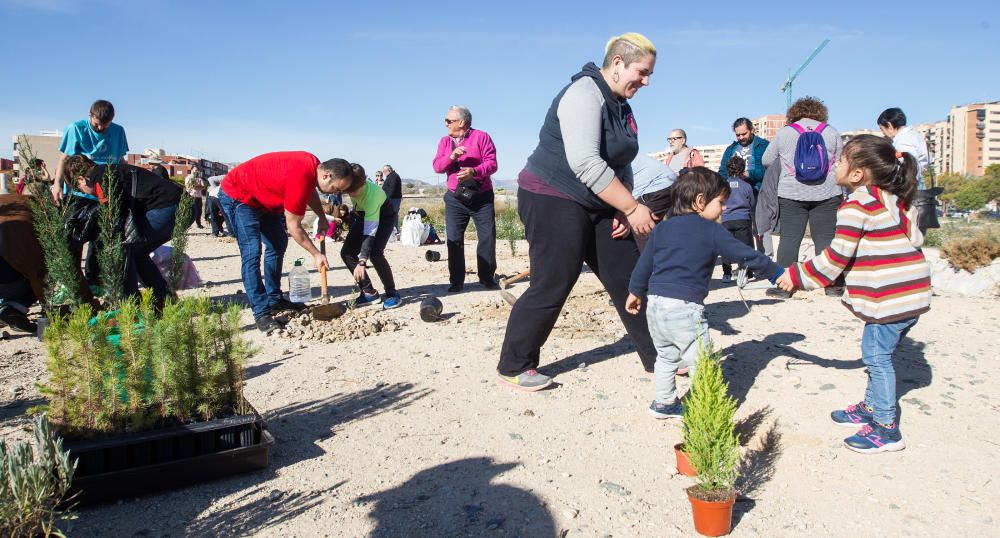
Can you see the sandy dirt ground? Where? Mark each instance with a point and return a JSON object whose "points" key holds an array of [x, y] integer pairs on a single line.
{"points": [[405, 432]]}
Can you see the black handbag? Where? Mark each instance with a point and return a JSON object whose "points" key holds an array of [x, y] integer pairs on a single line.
{"points": [[131, 233], [82, 223], [466, 191]]}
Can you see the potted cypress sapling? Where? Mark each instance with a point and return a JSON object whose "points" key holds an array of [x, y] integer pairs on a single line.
{"points": [[712, 445]]}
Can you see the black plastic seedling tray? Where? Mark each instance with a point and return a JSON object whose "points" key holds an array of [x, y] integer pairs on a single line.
{"points": [[142, 463]]}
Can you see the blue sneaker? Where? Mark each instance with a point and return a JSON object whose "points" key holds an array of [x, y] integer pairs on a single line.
{"points": [[365, 299], [853, 416], [392, 301], [661, 410], [874, 438]]}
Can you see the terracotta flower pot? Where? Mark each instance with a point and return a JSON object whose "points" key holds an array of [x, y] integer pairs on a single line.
{"points": [[683, 463], [712, 510]]}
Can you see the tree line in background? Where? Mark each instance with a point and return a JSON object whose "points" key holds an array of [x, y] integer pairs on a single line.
{"points": [[969, 193]]}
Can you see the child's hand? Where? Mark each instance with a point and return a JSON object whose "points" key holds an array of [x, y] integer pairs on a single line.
{"points": [[785, 281], [633, 304]]}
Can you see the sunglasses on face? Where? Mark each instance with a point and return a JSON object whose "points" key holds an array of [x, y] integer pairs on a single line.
{"points": [[449, 122]]}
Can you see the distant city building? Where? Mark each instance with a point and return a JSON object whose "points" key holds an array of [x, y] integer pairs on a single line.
{"points": [[6, 164], [847, 135], [975, 137], [43, 146], [177, 165], [712, 155], [767, 126], [938, 138]]}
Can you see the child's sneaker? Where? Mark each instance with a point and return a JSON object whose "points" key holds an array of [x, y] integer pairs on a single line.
{"points": [[662, 410], [874, 438], [853, 416]]}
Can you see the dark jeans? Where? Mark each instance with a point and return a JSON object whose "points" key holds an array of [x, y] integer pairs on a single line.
{"points": [[196, 208], [216, 216], [792, 218], [352, 248], [456, 220], [254, 227], [15, 290], [562, 236], [743, 233], [157, 225]]}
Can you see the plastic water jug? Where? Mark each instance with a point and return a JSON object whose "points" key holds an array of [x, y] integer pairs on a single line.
{"points": [[299, 285]]}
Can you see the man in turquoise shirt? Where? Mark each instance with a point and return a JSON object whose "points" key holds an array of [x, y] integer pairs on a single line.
{"points": [[96, 137]]}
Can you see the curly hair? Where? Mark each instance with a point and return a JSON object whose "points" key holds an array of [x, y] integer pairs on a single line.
{"points": [[77, 166], [806, 107]]}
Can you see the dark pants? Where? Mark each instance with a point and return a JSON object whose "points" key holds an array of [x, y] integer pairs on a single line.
{"points": [[792, 218], [157, 225], [456, 219], [254, 228], [562, 236], [352, 248], [15, 290], [215, 215], [196, 208], [743, 233]]}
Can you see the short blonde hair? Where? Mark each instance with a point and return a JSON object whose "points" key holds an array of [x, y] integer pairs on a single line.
{"points": [[631, 46]]}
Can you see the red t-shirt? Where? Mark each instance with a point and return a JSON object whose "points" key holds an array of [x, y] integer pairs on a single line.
{"points": [[274, 181]]}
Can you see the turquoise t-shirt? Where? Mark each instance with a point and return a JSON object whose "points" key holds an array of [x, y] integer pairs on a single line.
{"points": [[369, 203], [102, 148]]}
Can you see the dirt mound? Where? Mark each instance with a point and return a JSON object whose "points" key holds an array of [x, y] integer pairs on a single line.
{"points": [[354, 325]]}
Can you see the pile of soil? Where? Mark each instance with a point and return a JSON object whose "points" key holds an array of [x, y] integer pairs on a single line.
{"points": [[354, 325]]}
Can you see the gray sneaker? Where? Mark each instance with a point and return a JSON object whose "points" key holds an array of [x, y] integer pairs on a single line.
{"points": [[528, 381], [661, 410]]}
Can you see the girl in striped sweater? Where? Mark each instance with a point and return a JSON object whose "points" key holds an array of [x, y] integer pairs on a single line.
{"points": [[888, 281]]}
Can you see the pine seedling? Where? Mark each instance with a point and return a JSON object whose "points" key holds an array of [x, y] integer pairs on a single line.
{"points": [[111, 253], [709, 430], [178, 240]]}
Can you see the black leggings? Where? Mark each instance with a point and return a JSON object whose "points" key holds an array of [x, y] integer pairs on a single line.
{"points": [[743, 233], [352, 248], [792, 218], [562, 236]]}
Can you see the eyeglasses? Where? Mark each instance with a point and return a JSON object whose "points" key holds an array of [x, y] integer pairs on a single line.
{"points": [[449, 122], [672, 138]]}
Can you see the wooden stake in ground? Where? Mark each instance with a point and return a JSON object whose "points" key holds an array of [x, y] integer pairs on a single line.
{"points": [[326, 311]]}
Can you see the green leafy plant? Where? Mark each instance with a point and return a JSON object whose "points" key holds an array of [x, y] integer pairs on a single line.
{"points": [[130, 369], [178, 240], [34, 484], [509, 227], [710, 439]]}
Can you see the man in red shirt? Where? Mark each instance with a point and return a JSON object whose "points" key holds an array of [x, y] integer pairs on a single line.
{"points": [[254, 196]]}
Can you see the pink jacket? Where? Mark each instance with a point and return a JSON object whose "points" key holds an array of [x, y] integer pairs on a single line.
{"points": [[480, 154]]}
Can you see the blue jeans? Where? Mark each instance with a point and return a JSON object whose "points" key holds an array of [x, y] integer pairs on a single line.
{"points": [[254, 227], [676, 327], [878, 342], [157, 225]]}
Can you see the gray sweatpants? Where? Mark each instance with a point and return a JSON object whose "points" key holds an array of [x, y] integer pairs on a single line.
{"points": [[676, 327]]}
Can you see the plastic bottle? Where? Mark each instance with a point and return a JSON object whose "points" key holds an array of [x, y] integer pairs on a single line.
{"points": [[299, 285]]}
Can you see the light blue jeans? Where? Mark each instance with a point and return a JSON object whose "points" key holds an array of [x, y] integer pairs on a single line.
{"points": [[676, 328], [878, 342]]}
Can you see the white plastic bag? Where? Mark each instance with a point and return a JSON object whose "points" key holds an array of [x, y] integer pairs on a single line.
{"points": [[414, 231]]}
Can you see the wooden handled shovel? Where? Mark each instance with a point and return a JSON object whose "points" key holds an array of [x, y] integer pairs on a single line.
{"points": [[326, 311]]}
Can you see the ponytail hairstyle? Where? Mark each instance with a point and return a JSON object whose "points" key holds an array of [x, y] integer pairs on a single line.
{"points": [[884, 167], [736, 166], [341, 169], [697, 180]]}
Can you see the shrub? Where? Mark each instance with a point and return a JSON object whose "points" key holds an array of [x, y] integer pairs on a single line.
{"points": [[178, 240], [509, 227], [709, 430], [34, 484], [972, 253], [130, 370]]}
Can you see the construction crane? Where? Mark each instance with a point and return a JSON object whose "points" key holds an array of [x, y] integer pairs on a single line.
{"points": [[786, 88]]}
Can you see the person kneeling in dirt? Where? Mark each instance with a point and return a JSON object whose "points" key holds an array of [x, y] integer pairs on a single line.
{"points": [[373, 220]]}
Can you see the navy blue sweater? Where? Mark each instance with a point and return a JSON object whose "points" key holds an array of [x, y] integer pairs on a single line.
{"points": [[680, 256]]}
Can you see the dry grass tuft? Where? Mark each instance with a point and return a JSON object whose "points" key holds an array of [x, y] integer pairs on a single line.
{"points": [[973, 253]]}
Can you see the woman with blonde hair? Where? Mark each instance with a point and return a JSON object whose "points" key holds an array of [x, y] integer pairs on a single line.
{"points": [[575, 201]]}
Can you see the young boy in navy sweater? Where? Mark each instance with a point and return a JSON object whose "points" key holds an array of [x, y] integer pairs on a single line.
{"points": [[675, 270], [736, 217]]}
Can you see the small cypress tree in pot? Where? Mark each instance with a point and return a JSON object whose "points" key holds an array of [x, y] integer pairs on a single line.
{"points": [[712, 445]]}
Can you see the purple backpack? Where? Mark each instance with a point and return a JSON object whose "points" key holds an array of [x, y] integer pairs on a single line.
{"points": [[812, 161]]}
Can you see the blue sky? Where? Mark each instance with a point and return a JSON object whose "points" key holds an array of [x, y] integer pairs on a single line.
{"points": [[371, 81]]}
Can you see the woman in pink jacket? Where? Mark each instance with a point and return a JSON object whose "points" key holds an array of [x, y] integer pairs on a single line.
{"points": [[469, 158]]}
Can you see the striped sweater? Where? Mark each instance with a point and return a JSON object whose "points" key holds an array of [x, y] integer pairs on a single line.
{"points": [[876, 244]]}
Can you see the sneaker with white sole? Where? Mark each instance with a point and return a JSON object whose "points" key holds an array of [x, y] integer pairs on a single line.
{"points": [[854, 416], [528, 381], [392, 301], [365, 299], [874, 438], [662, 410]]}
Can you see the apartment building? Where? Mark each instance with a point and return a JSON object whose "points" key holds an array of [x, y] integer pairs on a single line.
{"points": [[767, 126], [177, 165], [44, 146], [711, 153], [938, 138], [975, 137]]}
